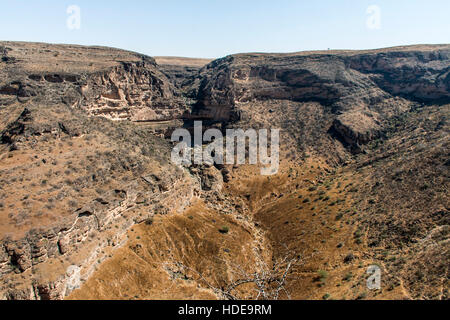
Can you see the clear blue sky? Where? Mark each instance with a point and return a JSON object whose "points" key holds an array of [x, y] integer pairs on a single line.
{"points": [[212, 28]]}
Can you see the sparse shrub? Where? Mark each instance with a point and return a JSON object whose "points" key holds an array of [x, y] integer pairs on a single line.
{"points": [[322, 275], [348, 276], [224, 230], [349, 258], [424, 187], [49, 206], [362, 296]]}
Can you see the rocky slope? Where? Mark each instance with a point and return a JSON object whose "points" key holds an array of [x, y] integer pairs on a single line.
{"points": [[71, 188], [363, 179], [72, 185]]}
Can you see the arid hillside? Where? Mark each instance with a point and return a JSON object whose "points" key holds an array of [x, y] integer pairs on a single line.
{"points": [[181, 61], [88, 187]]}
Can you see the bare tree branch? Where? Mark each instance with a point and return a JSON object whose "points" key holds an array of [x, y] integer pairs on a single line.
{"points": [[269, 281]]}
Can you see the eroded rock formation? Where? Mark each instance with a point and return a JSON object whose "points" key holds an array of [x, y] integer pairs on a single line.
{"points": [[359, 90], [112, 83]]}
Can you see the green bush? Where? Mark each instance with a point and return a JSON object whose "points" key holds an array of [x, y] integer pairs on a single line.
{"points": [[348, 276], [224, 230], [322, 275]]}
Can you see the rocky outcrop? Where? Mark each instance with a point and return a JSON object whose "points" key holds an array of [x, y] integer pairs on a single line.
{"points": [[131, 92], [416, 74], [355, 130]]}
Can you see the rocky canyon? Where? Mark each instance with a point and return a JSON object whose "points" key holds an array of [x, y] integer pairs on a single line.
{"points": [[92, 207]]}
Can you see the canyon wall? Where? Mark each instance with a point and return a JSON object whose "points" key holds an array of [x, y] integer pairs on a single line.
{"points": [[75, 179], [359, 90]]}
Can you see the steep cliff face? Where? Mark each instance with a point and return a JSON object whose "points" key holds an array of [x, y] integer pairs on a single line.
{"points": [[418, 73], [131, 92], [112, 83], [359, 90]]}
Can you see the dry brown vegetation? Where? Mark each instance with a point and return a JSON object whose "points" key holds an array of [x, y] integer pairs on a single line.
{"points": [[304, 215], [182, 61], [363, 180], [60, 162]]}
